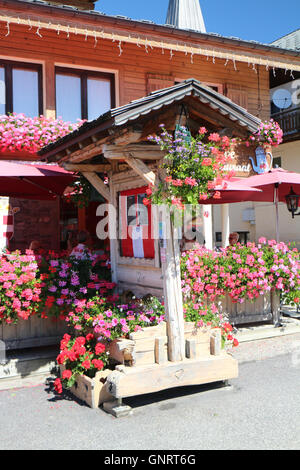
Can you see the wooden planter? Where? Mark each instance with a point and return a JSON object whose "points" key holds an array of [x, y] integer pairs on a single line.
{"points": [[33, 332], [92, 391], [145, 347], [201, 342], [150, 346], [266, 308]]}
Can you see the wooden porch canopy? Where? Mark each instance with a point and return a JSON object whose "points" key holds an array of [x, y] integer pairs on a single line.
{"points": [[117, 143], [131, 124]]}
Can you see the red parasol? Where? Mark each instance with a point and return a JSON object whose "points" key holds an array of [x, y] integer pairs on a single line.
{"points": [[33, 181], [275, 185]]}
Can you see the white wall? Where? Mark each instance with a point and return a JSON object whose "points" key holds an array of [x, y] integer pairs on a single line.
{"points": [[289, 228]]}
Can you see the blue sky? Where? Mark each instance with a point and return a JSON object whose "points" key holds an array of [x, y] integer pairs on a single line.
{"points": [[260, 20]]}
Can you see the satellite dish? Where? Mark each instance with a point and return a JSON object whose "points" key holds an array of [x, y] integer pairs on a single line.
{"points": [[282, 98]]}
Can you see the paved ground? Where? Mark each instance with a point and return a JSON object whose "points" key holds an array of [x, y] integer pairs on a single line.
{"points": [[261, 410]]}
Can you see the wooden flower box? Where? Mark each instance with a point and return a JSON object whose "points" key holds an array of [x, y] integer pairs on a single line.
{"points": [[150, 346], [92, 391], [266, 308], [145, 347], [201, 342], [34, 332]]}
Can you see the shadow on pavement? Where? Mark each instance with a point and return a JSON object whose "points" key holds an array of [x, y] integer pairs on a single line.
{"points": [[171, 393]]}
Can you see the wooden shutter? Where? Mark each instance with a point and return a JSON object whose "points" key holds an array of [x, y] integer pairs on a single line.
{"points": [[158, 82], [238, 96]]}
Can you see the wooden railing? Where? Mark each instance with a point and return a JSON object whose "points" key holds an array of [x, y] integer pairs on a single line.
{"points": [[289, 121]]}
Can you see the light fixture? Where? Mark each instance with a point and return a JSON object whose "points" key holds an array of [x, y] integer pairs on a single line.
{"points": [[292, 201]]}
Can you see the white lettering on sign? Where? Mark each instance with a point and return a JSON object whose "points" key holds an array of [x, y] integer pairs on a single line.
{"points": [[238, 168]]}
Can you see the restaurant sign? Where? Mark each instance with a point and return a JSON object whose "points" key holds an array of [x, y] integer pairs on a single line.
{"points": [[249, 161]]}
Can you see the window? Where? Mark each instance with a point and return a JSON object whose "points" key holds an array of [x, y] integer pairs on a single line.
{"points": [[277, 163], [218, 237], [135, 223], [21, 88], [83, 94], [243, 237]]}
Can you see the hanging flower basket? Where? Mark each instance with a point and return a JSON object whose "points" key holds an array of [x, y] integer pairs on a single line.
{"points": [[193, 167]]}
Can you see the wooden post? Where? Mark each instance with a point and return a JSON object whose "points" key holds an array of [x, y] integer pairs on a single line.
{"points": [[216, 342], [112, 229], [108, 195], [191, 348], [275, 304], [81, 218], [172, 292]]}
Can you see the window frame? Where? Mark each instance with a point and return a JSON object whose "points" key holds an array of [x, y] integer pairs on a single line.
{"points": [[8, 66], [84, 74]]}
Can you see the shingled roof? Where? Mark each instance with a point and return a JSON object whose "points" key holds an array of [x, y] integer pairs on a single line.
{"points": [[289, 41], [154, 101]]}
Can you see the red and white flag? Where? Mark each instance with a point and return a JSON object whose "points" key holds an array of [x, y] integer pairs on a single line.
{"points": [[6, 222], [135, 223]]}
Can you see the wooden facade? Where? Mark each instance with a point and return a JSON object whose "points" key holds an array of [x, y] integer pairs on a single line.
{"points": [[136, 163], [137, 70]]}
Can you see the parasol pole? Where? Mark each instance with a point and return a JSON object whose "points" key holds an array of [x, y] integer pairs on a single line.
{"points": [[277, 211]]}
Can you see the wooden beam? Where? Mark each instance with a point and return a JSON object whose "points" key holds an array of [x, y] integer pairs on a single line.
{"points": [[141, 169], [98, 184], [130, 137], [132, 381], [142, 152], [97, 168], [85, 153], [121, 136]]}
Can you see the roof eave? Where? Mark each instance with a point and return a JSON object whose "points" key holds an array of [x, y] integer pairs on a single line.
{"points": [[142, 24]]}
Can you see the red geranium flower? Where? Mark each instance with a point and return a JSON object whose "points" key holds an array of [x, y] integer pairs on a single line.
{"points": [[58, 386], [100, 348], [89, 337], [98, 364], [67, 374], [86, 364]]}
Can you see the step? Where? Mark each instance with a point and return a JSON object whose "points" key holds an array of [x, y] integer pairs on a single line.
{"points": [[288, 326], [25, 367]]}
